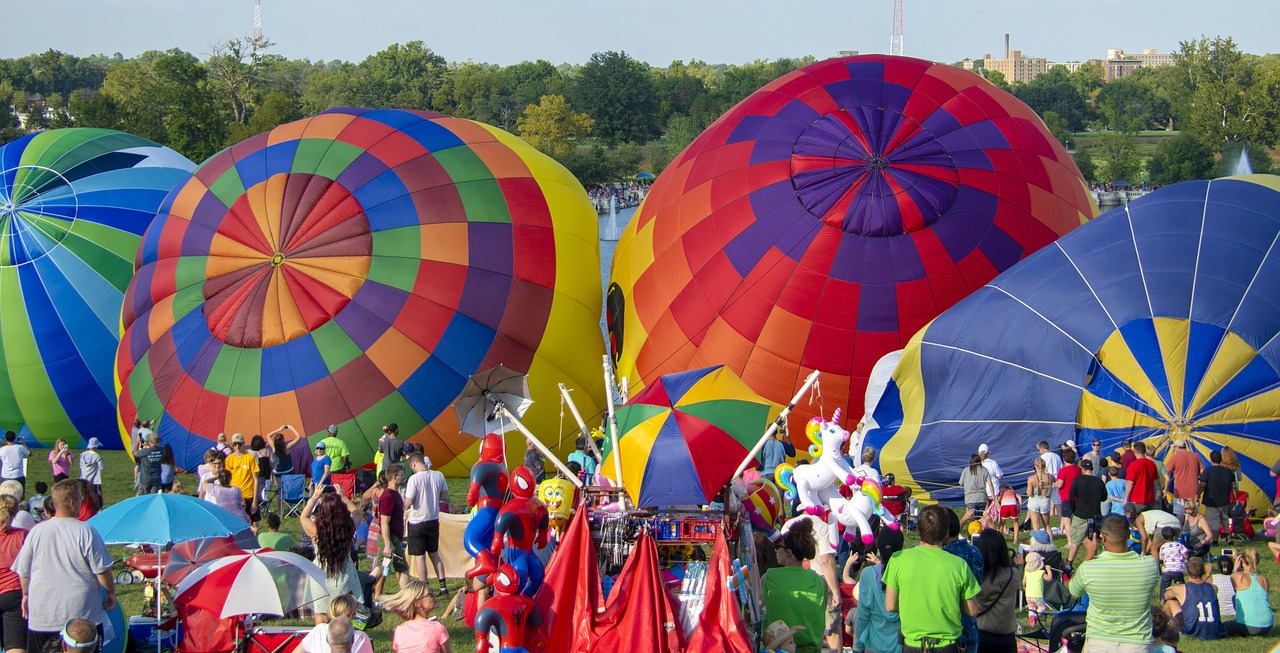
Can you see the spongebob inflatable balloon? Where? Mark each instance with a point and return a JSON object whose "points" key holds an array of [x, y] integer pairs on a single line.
{"points": [[559, 495]]}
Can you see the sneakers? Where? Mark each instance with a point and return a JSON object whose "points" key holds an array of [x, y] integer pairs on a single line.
{"points": [[442, 591]]}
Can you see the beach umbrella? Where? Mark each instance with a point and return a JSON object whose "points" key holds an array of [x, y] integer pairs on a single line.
{"points": [[184, 558], [683, 436], [826, 218], [258, 582], [73, 206], [354, 268], [1157, 322], [164, 519]]}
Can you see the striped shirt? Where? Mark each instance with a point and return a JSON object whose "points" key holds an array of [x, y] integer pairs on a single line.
{"points": [[1120, 587]]}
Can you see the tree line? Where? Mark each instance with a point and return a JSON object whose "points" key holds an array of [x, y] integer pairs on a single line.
{"points": [[613, 115]]}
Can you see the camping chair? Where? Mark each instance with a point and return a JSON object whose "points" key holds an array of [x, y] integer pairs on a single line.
{"points": [[292, 495], [346, 481], [1238, 527]]}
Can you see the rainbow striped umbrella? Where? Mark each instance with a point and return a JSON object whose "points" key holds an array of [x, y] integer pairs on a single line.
{"points": [[683, 436]]}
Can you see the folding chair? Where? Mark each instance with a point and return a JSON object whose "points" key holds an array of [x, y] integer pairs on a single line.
{"points": [[292, 495], [345, 481]]}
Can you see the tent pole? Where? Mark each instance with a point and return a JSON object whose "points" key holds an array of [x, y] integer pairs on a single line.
{"points": [[586, 432], [502, 408], [613, 420], [773, 427]]}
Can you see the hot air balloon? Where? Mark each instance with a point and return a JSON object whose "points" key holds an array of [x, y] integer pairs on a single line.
{"points": [[355, 268], [73, 206], [827, 218], [1157, 322]]}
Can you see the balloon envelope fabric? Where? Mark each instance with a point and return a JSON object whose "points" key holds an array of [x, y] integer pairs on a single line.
{"points": [[354, 268], [683, 436], [828, 217], [1154, 322], [73, 206]]}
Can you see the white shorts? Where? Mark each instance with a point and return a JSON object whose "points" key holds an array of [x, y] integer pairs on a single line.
{"points": [[1038, 504]]}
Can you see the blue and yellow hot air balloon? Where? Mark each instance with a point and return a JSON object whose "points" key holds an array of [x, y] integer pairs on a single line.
{"points": [[73, 206], [1158, 322]]}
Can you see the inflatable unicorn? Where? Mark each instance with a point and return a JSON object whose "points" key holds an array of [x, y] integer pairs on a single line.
{"points": [[853, 515], [815, 484]]}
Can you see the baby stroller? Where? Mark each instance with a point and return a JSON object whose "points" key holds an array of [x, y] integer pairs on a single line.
{"points": [[1063, 624]]}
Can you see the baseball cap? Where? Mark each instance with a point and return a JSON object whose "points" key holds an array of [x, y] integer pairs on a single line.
{"points": [[238, 438], [94, 443], [1185, 444], [320, 445], [983, 448], [408, 449], [333, 429]]}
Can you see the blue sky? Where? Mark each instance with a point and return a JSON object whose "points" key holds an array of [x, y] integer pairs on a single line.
{"points": [[656, 31]]}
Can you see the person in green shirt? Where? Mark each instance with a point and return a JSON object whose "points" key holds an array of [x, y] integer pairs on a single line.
{"points": [[1120, 584], [273, 538], [929, 588], [337, 450], [795, 595]]}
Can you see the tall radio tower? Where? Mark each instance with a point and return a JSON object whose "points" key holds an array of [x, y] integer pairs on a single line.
{"points": [[257, 24], [895, 39]]}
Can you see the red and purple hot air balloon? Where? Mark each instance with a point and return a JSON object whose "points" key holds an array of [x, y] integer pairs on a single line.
{"points": [[828, 217]]}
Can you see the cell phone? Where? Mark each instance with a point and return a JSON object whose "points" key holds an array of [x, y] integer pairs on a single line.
{"points": [[1229, 552], [329, 489]]}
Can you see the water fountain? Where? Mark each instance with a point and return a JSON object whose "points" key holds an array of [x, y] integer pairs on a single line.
{"points": [[1242, 165]]}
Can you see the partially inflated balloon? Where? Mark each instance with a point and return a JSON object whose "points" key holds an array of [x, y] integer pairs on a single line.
{"points": [[73, 206], [830, 215], [354, 268]]}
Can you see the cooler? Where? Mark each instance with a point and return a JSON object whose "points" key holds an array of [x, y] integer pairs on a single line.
{"points": [[142, 630]]}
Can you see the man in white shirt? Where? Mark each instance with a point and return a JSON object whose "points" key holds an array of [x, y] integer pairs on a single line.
{"points": [[423, 494], [993, 470], [12, 455]]}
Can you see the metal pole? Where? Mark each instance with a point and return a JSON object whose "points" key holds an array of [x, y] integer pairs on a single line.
{"points": [[577, 417], [613, 420], [538, 443], [773, 427]]}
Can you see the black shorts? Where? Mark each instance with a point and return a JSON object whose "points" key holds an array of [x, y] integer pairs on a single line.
{"points": [[254, 515], [15, 627], [1066, 510], [424, 537]]}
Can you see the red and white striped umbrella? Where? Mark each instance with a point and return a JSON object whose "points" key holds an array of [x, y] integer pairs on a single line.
{"points": [[256, 582], [187, 557]]}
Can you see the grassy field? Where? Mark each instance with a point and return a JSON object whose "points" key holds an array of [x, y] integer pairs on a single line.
{"points": [[118, 486]]}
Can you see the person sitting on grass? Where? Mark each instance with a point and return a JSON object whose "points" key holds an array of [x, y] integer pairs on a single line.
{"points": [[1254, 615], [273, 538], [1195, 604], [1164, 631], [319, 639]]}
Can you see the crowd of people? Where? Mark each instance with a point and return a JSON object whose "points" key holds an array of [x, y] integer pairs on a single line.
{"points": [[1124, 548], [621, 195]]}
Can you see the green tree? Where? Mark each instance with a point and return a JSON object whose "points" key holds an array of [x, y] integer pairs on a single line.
{"points": [[1084, 161], [1053, 91], [996, 78], [275, 109], [553, 126], [1126, 105], [400, 77], [1057, 126], [235, 68], [1161, 82], [9, 128], [1088, 79], [1230, 99], [1119, 157], [618, 92], [681, 130], [589, 165], [1181, 158], [97, 110]]}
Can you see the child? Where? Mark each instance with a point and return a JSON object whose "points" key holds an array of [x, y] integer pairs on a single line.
{"points": [[1164, 632], [35, 504], [1033, 577], [419, 632], [1226, 588], [1009, 509], [1269, 524], [1116, 490], [1173, 559]]}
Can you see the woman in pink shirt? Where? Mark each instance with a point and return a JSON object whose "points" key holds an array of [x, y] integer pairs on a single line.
{"points": [[419, 633], [60, 460]]}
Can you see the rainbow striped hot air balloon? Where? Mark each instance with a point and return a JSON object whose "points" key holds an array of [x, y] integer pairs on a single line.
{"points": [[73, 206], [355, 268]]}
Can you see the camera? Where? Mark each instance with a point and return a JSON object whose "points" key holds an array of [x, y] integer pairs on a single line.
{"points": [[328, 489]]}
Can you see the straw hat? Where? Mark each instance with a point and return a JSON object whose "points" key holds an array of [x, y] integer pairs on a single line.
{"points": [[778, 634]]}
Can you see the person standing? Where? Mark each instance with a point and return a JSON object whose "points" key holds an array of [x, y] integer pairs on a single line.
{"points": [[1141, 479], [326, 519], [775, 451], [391, 512], [12, 459], [1085, 500], [977, 487], [1186, 467], [63, 566], [1119, 583], [1039, 487], [998, 600], [321, 468], [13, 623], [1066, 478], [149, 457], [533, 462], [337, 450], [91, 465], [875, 629], [60, 460], [423, 494], [390, 446], [794, 594], [1094, 455], [1215, 487], [929, 588], [993, 469], [1127, 456], [584, 459], [243, 465]]}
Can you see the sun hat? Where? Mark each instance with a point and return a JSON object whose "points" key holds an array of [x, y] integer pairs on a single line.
{"points": [[94, 443], [778, 633]]}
